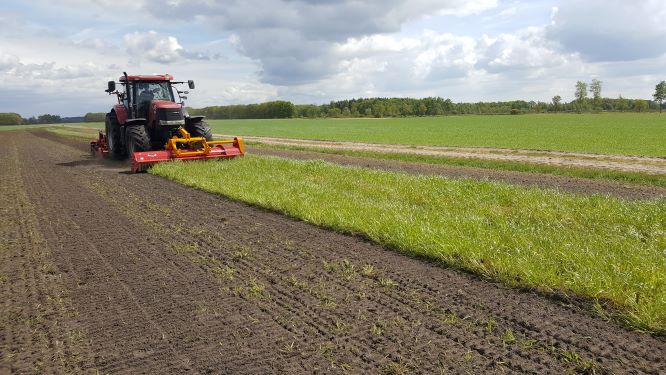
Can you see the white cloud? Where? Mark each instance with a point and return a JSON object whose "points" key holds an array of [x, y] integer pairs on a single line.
{"points": [[610, 30], [159, 48], [469, 8], [152, 46], [525, 49]]}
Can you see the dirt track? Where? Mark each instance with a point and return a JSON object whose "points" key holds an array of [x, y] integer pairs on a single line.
{"points": [[125, 273], [655, 165]]}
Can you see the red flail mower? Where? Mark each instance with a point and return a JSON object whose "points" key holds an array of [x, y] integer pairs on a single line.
{"points": [[148, 126]]}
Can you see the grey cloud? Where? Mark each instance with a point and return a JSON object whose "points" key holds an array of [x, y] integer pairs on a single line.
{"points": [[294, 40], [8, 62], [615, 30]]}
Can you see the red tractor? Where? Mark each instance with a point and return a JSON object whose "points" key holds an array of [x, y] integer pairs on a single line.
{"points": [[149, 126]]}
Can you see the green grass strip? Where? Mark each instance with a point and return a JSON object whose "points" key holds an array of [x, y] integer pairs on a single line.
{"points": [[599, 247], [589, 173], [88, 134]]}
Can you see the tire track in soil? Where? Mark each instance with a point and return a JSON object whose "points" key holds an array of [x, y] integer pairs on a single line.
{"points": [[242, 290], [38, 328]]}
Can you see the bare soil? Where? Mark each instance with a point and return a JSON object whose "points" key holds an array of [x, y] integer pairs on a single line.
{"points": [[569, 184], [106, 271]]}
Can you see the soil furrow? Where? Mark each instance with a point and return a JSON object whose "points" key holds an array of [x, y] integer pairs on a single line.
{"points": [[222, 287]]}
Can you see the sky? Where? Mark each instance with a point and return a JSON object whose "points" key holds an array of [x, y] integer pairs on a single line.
{"points": [[56, 56]]}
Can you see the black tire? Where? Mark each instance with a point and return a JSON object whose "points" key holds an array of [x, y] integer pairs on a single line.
{"points": [[113, 141], [137, 140], [200, 129]]}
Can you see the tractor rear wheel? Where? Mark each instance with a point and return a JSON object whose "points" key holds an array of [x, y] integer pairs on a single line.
{"points": [[200, 129], [137, 140], [113, 141]]}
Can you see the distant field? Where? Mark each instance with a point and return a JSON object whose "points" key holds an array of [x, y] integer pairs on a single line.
{"points": [[22, 127], [612, 133], [609, 133], [91, 125]]}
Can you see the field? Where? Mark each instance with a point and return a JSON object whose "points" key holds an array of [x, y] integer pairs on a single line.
{"points": [[612, 133], [609, 133], [316, 262], [522, 237]]}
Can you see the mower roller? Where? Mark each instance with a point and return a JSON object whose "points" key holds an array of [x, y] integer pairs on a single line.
{"points": [[148, 126]]}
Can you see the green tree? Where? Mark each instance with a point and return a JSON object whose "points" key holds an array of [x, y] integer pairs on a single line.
{"points": [[94, 117], [556, 102], [49, 119], [581, 95], [10, 119], [621, 103], [640, 105], [334, 112], [595, 90], [660, 94]]}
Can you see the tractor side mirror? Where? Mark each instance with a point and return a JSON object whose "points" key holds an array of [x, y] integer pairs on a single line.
{"points": [[111, 87], [190, 84]]}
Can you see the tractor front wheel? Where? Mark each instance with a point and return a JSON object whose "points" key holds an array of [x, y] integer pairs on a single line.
{"points": [[137, 140], [113, 141], [200, 129]]}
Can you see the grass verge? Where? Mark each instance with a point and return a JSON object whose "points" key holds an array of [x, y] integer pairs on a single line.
{"points": [[602, 248], [589, 173]]}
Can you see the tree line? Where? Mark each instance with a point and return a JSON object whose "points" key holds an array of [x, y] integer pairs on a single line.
{"points": [[407, 107], [436, 106], [268, 110], [16, 119], [399, 107]]}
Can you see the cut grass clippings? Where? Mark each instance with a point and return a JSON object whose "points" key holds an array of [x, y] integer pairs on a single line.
{"points": [[589, 173], [598, 247]]}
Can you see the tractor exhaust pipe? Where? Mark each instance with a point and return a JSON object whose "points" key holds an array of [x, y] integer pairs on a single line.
{"points": [[127, 92]]}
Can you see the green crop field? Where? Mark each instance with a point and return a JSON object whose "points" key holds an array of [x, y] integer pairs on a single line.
{"points": [[598, 247], [608, 133], [23, 127], [79, 125]]}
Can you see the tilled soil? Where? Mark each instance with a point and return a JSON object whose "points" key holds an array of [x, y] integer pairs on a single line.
{"points": [[569, 184], [118, 273]]}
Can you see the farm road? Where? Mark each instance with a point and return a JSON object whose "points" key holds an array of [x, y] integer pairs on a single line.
{"points": [[124, 273]]}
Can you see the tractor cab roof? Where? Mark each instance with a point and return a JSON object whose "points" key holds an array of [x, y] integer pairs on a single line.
{"points": [[158, 77]]}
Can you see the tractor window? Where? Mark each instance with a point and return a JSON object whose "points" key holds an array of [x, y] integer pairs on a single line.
{"points": [[126, 99], [147, 91]]}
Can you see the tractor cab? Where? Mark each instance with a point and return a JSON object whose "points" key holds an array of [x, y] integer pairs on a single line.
{"points": [[147, 91], [143, 96]]}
